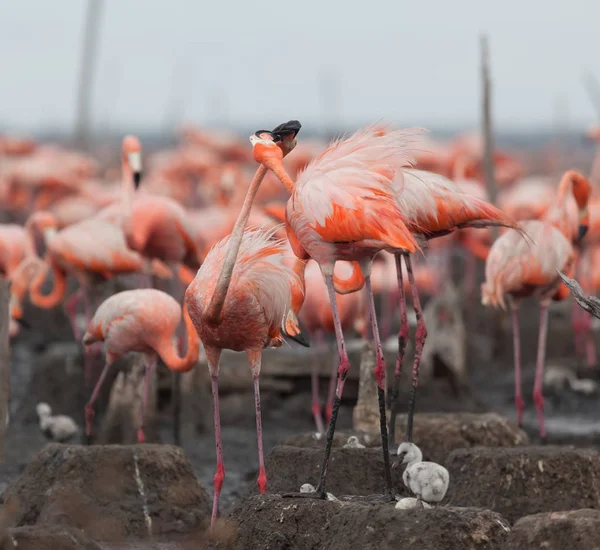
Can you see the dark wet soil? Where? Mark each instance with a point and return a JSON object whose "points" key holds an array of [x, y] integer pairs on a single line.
{"points": [[571, 417]]}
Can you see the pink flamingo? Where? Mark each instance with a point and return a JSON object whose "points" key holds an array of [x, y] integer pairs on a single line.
{"points": [[238, 301], [145, 321], [519, 269]]}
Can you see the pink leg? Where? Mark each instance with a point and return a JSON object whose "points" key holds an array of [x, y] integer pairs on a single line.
{"points": [[380, 377], [331, 392], [314, 383], [71, 309], [255, 359], [538, 398], [519, 403], [402, 341], [470, 274], [420, 335], [148, 376], [213, 356], [387, 314], [342, 373], [89, 408]]}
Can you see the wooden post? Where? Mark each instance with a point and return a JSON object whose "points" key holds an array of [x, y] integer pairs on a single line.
{"points": [[592, 87], [365, 416], [87, 68], [4, 361], [486, 120], [488, 166]]}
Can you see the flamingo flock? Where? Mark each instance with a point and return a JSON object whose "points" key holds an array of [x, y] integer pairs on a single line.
{"points": [[299, 251]]}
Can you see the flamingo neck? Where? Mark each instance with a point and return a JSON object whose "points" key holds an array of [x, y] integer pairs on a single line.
{"points": [[215, 307], [128, 188], [56, 295], [168, 353], [278, 169]]}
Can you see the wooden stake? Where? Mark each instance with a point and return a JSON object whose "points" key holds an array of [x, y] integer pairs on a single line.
{"points": [[4, 361], [87, 68]]}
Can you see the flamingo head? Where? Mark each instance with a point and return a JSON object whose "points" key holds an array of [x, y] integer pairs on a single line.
{"points": [[283, 137], [132, 156]]}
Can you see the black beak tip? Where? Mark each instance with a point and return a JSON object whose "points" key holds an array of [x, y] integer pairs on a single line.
{"points": [[137, 178], [582, 230], [23, 323]]}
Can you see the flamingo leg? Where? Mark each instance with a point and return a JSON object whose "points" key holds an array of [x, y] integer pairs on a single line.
{"points": [[519, 403], [332, 382], [380, 372], [88, 359], [314, 383], [420, 335], [344, 366], [254, 357], [213, 356], [402, 341], [150, 361], [89, 408], [71, 309], [538, 398]]}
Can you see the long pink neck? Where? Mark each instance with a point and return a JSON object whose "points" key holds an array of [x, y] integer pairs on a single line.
{"points": [[168, 352], [277, 167], [128, 188], [215, 308]]}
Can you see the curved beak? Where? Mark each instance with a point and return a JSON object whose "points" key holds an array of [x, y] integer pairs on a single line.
{"points": [[135, 163], [584, 224]]}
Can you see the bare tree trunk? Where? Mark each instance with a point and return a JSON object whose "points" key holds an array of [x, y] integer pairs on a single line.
{"points": [[592, 87], [488, 166], [122, 417], [87, 68], [365, 416], [4, 361]]}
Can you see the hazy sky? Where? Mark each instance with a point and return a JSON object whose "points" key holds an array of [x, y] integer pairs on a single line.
{"points": [[259, 62]]}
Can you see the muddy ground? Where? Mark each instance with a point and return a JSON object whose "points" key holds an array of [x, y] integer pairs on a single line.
{"points": [[43, 353]]}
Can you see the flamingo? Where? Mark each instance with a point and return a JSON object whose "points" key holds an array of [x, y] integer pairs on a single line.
{"points": [[238, 301], [519, 269], [143, 320]]}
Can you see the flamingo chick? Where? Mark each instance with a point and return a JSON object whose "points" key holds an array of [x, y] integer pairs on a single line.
{"points": [[59, 427], [143, 320], [428, 481]]}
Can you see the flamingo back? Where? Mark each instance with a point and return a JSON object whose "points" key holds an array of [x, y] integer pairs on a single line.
{"points": [[520, 267], [94, 245], [134, 320], [433, 204], [346, 194], [257, 299]]}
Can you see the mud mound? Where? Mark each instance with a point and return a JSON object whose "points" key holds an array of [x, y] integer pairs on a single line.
{"points": [[271, 521], [111, 492], [351, 471], [437, 434], [520, 481], [47, 537], [577, 530]]}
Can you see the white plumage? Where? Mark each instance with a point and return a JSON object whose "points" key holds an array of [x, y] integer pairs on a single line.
{"points": [[428, 481], [59, 427]]}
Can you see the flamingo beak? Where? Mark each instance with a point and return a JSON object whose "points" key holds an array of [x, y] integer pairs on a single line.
{"points": [[584, 224], [135, 163]]}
